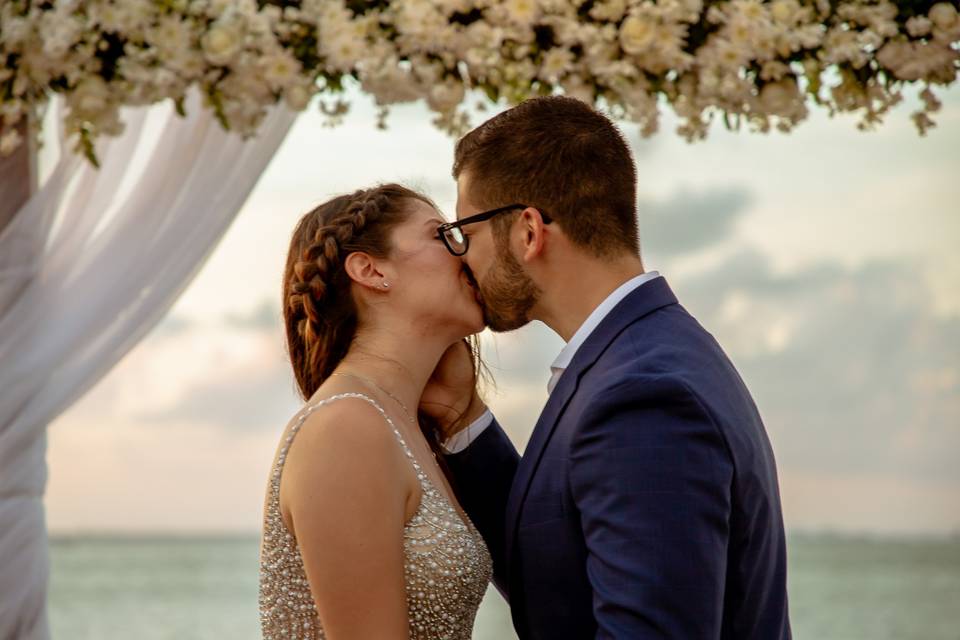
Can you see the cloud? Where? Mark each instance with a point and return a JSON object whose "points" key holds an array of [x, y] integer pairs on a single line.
{"points": [[520, 364], [853, 368], [523, 355], [690, 221], [247, 387], [249, 399], [855, 371], [264, 316]]}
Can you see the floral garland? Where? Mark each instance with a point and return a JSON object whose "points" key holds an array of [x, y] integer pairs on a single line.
{"points": [[752, 61]]}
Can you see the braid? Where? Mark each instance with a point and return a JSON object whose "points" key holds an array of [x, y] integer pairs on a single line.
{"points": [[323, 258], [320, 312]]}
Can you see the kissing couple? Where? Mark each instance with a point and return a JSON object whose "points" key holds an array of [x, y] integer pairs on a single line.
{"points": [[646, 503]]}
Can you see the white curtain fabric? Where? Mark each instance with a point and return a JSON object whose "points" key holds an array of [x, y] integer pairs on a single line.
{"points": [[88, 265]]}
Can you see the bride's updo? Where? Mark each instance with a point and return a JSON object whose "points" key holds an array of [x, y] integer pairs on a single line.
{"points": [[319, 313]]}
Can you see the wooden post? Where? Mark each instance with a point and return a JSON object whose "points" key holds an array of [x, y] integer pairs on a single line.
{"points": [[18, 176]]}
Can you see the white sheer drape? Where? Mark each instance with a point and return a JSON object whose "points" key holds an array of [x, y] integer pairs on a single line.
{"points": [[88, 265]]}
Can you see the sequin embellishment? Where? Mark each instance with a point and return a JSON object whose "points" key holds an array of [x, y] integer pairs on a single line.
{"points": [[447, 563]]}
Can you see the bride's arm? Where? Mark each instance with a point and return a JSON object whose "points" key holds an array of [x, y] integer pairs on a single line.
{"points": [[348, 512]]}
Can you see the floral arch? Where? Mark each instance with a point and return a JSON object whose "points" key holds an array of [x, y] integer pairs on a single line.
{"points": [[248, 66], [750, 62]]}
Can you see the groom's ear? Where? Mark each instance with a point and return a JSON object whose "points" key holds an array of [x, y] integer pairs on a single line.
{"points": [[534, 234]]}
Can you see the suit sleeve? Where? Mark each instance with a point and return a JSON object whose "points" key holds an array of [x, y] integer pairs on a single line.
{"points": [[651, 477], [484, 474]]}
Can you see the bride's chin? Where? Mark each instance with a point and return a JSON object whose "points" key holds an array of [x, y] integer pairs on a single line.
{"points": [[476, 322], [467, 321], [479, 326]]}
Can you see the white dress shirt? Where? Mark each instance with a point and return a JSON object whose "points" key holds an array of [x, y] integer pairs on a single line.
{"points": [[460, 440]]}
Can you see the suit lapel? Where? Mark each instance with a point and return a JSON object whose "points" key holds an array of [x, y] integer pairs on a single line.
{"points": [[646, 298]]}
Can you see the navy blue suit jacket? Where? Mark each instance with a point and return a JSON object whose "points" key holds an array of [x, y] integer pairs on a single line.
{"points": [[646, 504]]}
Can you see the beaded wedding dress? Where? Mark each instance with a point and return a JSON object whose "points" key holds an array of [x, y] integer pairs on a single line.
{"points": [[447, 563]]}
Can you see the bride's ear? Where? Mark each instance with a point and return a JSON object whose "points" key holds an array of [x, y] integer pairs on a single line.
{"points": [[364, 270]]}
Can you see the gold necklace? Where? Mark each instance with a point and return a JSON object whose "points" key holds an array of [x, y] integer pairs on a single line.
{"points": [[371, 382]]}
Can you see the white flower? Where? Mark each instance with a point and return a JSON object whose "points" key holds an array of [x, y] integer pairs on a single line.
{"points": [[342, 52], [944, 15], [751, 10], [14, 31], [946, 22], [416, 16], [721, 52], [922, 121], [637, 34], [245, 8], [522, 12], [445, 96], [449, 7], [222, 43], [609, 10], [575, 87], [806, 37], [411, 49], [189, 63], [915, 60], [715, 14], [784, 11], [171, 36], [11, 112], [773, 70], [930, 101], [129, 17], [297, 97], [92, 103], [741, 32], [58, 31], [388, 83], [279, 68], [841, 45], [919, 26], [216, 8], [693, 8], [556, 63], [91, 96], [780, 97]]}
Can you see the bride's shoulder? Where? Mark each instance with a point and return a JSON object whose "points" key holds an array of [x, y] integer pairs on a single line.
{"points": [[342, 450], [345, 432]]}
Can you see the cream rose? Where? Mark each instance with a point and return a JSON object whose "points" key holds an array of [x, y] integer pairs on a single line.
{"points": [[637, 34], [221, 44]]}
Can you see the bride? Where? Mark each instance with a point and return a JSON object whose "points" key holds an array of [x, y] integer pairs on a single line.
{"points": [[363, 536]]}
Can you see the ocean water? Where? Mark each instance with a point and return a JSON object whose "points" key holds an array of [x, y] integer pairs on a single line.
{"points": [[112, 588]]}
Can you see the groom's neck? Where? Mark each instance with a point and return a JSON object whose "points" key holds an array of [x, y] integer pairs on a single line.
{"points": [[575, 285]]}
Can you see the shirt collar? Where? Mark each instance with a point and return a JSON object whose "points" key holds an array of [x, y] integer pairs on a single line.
{"points": [[566, 354]]}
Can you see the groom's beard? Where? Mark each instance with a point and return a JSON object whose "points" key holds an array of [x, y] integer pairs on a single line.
{"points": [[508, 294]]}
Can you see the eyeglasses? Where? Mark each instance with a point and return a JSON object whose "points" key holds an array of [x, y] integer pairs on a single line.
{"points": [[457, 243]]}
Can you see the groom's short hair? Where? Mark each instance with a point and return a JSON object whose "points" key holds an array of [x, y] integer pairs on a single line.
{"points": [[560, 154]]}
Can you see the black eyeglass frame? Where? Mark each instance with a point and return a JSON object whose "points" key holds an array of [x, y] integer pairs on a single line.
{"points": [[480, 217]]}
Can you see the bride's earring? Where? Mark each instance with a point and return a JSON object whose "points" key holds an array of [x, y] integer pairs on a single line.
{"points": [[386, 285]]}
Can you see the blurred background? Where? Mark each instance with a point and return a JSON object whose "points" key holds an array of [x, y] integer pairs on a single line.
{"points": [[824, 261]]}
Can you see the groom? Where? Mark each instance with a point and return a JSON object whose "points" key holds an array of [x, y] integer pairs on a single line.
{"points": [[646, 502]]}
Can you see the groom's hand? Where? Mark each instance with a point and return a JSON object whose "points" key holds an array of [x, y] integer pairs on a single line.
{"points": [[450, 396]]}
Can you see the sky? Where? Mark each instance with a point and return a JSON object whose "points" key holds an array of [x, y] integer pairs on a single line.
{"points": [[823, 261]]}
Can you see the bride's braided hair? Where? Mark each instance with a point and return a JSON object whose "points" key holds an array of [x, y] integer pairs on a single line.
{"points": [[320, 315]]}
